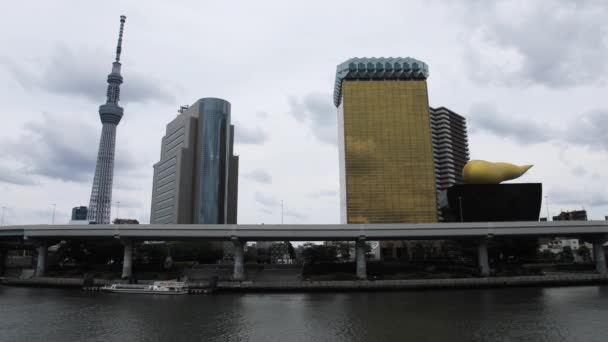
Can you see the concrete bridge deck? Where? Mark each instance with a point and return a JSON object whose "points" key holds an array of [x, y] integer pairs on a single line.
{"points": [[306, 232]]}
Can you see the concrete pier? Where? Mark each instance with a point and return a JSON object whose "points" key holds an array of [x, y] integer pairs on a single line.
{"points": [[360, 257], [3, 253], [41, 253], [239, 259], [599, 256], [127, 258], [482, 257]]}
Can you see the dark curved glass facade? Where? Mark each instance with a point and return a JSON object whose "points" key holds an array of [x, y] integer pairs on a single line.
{"points": [[214, 135]]}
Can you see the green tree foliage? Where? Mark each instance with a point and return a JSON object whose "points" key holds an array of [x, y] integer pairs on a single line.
{"points": [[566, 254], [204, 252], [87, 254], [291, 250], [584, 252], [314, 254]]}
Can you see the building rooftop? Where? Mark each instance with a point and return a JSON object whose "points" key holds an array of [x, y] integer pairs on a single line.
{"points": [[373, 68]]}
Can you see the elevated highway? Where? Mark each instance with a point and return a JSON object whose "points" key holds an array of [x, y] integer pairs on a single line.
{"points": [[42, 235]]}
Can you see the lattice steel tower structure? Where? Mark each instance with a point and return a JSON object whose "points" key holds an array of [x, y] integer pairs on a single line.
{"points": [[110, 114]]}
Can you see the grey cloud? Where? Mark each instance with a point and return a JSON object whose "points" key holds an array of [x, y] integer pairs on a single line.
{"points": [[324, 193], [126, 202], [260, 176], [60, 149], [18, 216], [318, 112], [295, 214], [578, 198], [266, 200], [83, 74], [486, 118], [554, 43], [266, 211], [16, 176], [579, 171], [588, 130], [252, 136]]}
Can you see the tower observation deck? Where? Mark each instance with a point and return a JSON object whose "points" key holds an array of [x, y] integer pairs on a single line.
{"points": [[110, 114]]}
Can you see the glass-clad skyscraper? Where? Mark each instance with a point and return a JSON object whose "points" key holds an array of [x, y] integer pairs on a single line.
{"points": [[214, 138], [385, 144], [196, 179]]}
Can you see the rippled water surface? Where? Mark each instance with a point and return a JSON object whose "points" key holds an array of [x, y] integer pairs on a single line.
{"points": [[519, 314]]}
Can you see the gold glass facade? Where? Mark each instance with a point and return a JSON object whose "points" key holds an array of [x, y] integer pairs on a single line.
{"points": [[387, 168]]}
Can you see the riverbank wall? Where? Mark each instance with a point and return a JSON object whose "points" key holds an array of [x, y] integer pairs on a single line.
{"points": [[343, 285], [415, 284]]}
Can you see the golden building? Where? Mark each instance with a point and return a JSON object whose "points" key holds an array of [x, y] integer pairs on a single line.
{"points": [[386, 156]]}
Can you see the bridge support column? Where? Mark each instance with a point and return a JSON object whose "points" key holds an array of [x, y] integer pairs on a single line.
{"points": [[41, 253], [239, 259], [3, 253], [599, 256], [360, 259], [482, 257], [127, 258]]}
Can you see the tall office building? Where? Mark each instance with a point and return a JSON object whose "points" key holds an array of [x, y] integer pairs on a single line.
{"points": [[110, 114], [196, 179], [450, 146], [450, 152], [385, 144]]}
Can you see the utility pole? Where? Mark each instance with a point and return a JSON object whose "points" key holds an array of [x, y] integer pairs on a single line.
{"points": [[547, 203], [53, 219]]}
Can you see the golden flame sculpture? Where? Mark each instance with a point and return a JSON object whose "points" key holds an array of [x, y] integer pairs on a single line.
{"points": [[484, 172]]}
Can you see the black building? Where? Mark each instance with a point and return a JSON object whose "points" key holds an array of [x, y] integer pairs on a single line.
{"points": [[79, 213], [492, 202]]}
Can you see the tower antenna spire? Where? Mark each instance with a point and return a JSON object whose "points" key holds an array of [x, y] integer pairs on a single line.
{"points": [[110, 114], [119, 46]]}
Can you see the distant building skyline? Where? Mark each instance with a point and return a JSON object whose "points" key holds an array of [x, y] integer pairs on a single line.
{"points": [[196, 178], [110, 114], [574, 215]]}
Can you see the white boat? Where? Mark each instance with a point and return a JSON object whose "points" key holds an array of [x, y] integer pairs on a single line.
{"points": [[159, 287]]}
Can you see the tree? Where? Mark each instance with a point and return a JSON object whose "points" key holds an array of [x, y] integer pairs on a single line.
{"points": [[204, 252], [87, 254], [290, 250], [344, 251], [584, 252], [314, 254], [566, 254]]}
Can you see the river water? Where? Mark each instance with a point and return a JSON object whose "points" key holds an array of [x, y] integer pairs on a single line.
{"points": [[516, 314]]}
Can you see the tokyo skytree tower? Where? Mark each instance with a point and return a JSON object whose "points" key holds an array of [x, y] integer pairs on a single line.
{"points": [[110, 114]]}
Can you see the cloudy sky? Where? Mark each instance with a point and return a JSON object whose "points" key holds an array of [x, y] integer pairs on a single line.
{"points": [[531, 78]]}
